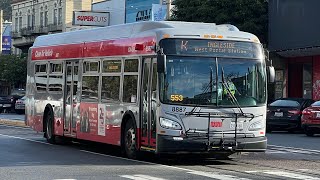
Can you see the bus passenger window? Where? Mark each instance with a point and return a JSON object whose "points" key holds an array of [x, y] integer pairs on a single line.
{"points": [[90, 88], [110, 88], [89, 67], [130, 84], [131, 65]]}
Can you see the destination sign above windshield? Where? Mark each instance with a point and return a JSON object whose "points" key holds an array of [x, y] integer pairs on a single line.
{"points": [[214, 48]]}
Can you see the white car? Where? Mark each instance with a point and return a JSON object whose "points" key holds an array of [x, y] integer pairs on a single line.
{"points": [[20, 105]]}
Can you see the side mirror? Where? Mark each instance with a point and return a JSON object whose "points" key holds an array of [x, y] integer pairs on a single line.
{"points": [[160, 63], [271, 74]]}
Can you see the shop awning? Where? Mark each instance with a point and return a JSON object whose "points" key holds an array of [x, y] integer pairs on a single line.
{"points": [[308, 51]]}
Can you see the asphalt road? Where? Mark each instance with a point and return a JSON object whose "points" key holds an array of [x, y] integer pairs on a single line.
{"points": [[12, 116], [24, 154]]}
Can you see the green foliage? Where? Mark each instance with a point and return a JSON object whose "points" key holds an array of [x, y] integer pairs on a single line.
{"points": [[13, 69], [248, 15], [5, 5]]}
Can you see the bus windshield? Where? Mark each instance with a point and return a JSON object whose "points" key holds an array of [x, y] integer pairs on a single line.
{"points": [[211, 81]]}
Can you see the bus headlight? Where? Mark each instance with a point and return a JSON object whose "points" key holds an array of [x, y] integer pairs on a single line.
{"points": [[169, 124], [255, 126]]}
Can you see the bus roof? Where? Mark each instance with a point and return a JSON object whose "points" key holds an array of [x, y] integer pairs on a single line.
{"points": [[175, 29]]}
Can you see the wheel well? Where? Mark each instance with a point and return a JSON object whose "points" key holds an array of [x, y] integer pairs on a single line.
{"points": [[127, 117], [46, 110]]}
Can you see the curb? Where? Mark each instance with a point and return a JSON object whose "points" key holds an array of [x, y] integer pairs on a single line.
{"points": [[13, 122]]}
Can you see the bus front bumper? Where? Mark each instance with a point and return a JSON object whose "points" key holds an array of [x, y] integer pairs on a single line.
{"points": [[170, 144]]}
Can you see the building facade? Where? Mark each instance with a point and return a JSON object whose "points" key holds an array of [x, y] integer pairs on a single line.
{"points": [[116, 8], [32, 18], [294, 43]]}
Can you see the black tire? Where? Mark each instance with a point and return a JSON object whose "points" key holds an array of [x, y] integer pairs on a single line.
{"points": [[309, 133], [130, 140], [49, 131]]}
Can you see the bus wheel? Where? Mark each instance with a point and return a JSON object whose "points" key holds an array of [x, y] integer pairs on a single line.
{"points": [[49, 135], [130, 140]]}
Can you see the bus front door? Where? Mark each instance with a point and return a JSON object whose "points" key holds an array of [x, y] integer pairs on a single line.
{"points": [[148, 104], [70, 98]]}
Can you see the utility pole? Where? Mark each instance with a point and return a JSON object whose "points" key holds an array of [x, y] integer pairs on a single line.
{"points": [[1, 29]]}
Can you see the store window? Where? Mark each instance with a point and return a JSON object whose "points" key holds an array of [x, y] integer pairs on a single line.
{"points": [[307, 81]]}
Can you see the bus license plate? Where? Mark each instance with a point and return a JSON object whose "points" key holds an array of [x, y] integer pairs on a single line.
{"points": [[239, 125]]}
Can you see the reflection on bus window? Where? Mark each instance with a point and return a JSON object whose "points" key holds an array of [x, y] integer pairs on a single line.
{"points": [[187, 81], [41, 83], [56, 67], [41, 68], [130, 84], [110, 88], [90, 88], [131, 65], [90, 66], [55, 83]]}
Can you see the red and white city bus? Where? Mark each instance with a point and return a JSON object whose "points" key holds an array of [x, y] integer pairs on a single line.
{"points": [[165, 87]]}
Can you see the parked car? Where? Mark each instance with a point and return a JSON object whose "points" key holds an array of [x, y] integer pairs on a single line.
{"points": [[285, 113], [20, 105], [5, 104], [15, 95], [310, 120]]}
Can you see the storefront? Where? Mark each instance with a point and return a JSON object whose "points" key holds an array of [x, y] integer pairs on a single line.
{"points": [[294, 42]]}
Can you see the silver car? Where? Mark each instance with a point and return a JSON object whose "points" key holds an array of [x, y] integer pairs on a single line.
{"points": [[20, 105]]}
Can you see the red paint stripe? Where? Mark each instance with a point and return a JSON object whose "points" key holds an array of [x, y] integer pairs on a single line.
{"points": [[95, 49]]}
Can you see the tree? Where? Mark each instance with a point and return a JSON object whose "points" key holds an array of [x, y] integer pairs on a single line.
{"points": [[248, 15], [5, 5], [13, 69]]}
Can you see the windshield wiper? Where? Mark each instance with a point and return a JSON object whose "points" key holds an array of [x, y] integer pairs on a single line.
{"points": [[226, 86], [206, 89]]}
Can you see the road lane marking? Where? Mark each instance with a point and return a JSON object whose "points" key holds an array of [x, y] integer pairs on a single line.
{"points": [[217, 176], [291, 175], [15, 137], [16, 127], [133, 160], [271, 151], [293, 148], [141, 177]]}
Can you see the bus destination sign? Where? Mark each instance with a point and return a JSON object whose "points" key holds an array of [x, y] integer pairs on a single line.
{"points": [[214, 48]]}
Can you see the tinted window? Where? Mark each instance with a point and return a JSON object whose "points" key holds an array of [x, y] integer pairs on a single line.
{"points": [[110, 88], [317, 103], [285, 103], [130, 84], [131, 65], [90, 88]]}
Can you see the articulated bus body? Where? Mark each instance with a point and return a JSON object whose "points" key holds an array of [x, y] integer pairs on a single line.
{"points": [[166, 87]]}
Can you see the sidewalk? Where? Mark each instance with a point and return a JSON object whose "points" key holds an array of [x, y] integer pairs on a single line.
{"points": [[19, 123]]}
